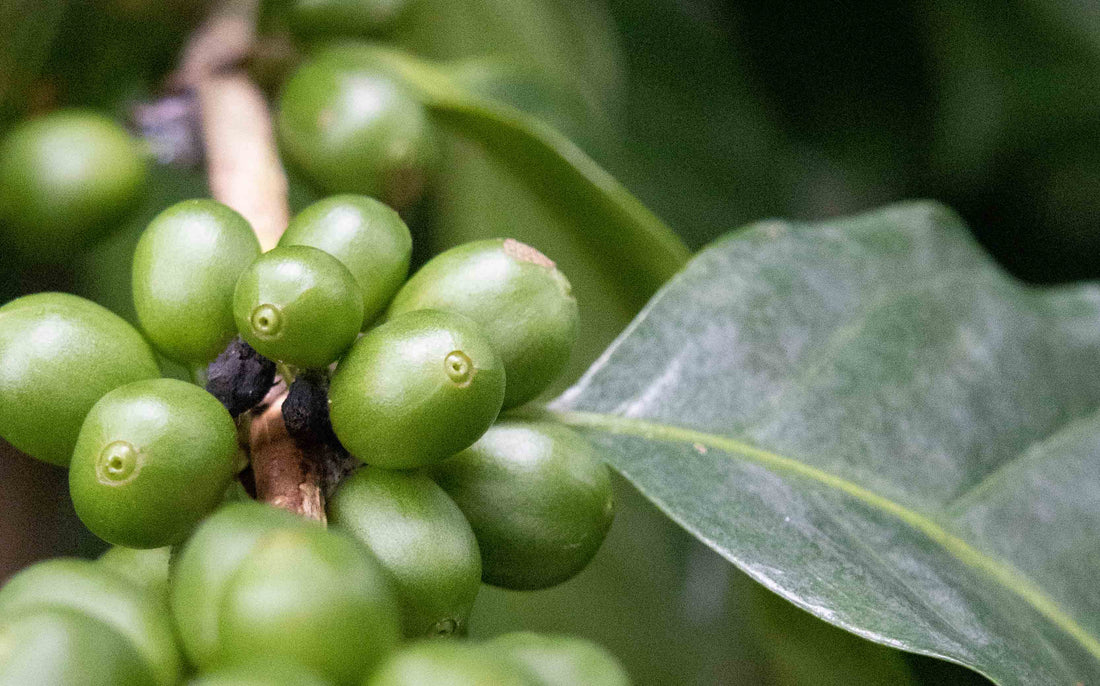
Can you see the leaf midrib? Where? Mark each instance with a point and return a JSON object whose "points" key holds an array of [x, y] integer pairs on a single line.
{"points": [[1000, 571]]}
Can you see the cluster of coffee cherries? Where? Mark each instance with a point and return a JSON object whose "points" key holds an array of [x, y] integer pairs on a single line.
{"points": [[404, 377]]}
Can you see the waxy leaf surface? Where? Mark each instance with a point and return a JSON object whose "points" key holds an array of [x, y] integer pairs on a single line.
{"points": [[872, 419]]}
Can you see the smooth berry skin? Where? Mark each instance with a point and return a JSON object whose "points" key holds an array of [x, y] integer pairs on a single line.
{"points": [[313, 596], [88, 589], [343, 17], [153, 458], [538, 499], [63, 178], [422, 540], [298, 305], [352, 129], [257, 582], [58, 355], [205, 565], [367, 236], [454, 663], [147, 568], [518, 297], [185, 268], [265, 671], [416, 390], [65, 648], [562, 660]]}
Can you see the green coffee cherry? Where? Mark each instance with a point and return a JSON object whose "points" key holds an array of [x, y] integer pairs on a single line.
{"points": [[538, 498], [352, 129], [562, 660], [65, 648], [185, 268], [254, 583], [206, 564], [146, 568], [343, 17], [63, 177], [422, 540], [415, 390], [265, 671], [298, 305], [153, 458], [58, 355], [454, 663], [368, 237], [520, 299], [90, 590]]}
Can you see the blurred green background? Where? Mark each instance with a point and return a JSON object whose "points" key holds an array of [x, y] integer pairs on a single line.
{"points": [[715, 114]]}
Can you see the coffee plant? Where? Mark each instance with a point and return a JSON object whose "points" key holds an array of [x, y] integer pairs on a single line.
{"points": [[366, 341]]}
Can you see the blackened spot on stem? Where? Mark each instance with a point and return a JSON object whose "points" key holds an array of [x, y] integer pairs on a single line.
{"points": [[305, 410], [240, 377]]}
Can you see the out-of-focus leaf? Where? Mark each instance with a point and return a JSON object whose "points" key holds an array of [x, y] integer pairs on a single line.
{"points": [[873, 420], [641, 251], [572, 41]]}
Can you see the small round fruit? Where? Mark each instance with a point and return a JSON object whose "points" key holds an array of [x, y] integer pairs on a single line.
{"points": [[63, 177], [261, 672], [352, 129], [416, 390], [313, 596], [147, 568], [562, 660], [185, 268], [422, 540], [518, 297], [368, 237], [343, 17], [153, 458], [538, 498], [256, 582], [207, 562], [58, 355], [454, 663], [58, 647], [298, 305], [88, 589]]}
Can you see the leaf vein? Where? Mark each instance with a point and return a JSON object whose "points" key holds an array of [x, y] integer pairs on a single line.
{"points": [[1003, 573]]}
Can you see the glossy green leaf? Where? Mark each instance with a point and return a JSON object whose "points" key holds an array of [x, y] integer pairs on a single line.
{"points": [[608, 218], [870, 418]]}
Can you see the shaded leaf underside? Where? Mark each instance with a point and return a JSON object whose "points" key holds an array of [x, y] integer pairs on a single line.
{"points": [[870, 418]]}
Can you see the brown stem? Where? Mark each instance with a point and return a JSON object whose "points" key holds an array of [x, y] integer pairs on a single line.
{"points": [[244, 172], [284, 476]]}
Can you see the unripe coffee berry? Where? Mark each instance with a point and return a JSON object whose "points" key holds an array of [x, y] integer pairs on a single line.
{"points": [[63, 177], [61, 647], [562, 660], [422, 540], [455, 663], [255, 582], [90, 590], [353, 129], [145, 567], [538, 498], [298, 305], [261, 671], [415, 390], [153, 458], [186, 266], [58, 355], [518, 297], [368, 237]]}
